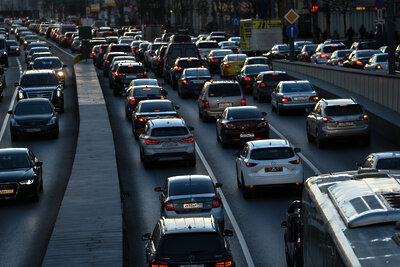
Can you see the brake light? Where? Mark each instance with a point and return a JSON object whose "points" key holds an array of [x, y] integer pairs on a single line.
{"points": [[150, 52], [275, 74], [206, 104], [169, 205], [286, 99], [132, 101], [358, 62], [216, 203], [214, 60], [262, 84], [227, 65], [243, 102], [158, 58], [323, 56], [363, 117], [157, 263], [133, 50], [187, 140], [143, 74], [378, 67], [230, 126], [248, 164], [297, 161], [315, 98], [200, 52], [247, 78], [340, 62], [108, 61], [226, 262], [152, 142], [94, 54], [185, 81], [142, 119], [178, 68], [306, 53]]}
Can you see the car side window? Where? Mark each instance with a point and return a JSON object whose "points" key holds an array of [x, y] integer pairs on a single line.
{"points": [[319, 109]]}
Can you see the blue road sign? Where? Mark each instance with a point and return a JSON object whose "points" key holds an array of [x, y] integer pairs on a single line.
{"points": [[379, 3], [292, 31], [235, 21]]}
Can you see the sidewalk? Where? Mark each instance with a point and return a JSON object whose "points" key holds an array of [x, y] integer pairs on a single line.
{"points": [[88, 230]]}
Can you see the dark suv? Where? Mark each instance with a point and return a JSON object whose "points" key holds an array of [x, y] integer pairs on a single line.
{"points": [[266, 82], [181, 64], [125, 73], [188, 242]]}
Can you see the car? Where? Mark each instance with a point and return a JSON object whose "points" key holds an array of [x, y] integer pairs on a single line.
{"points": [[114, 64], [378, 62], [306, 52], [41, 84], [278, 51], [139, 52], [388, 160], [293, 95], [100, 56], [341, 118], [181, 64], [124, 48], [150, 52], [13, 48], [3, 83], [338, 57], [229, 45], [218, 39], [3, 52], [108, 57], [240, 124], [298, 45], [192, 81], [151, 109], [34, 50], [20, 174], [51, 63], [359, 58], [137, 93], [205, 47], [269, 162], [29, 39], [231, 65], [167, 139], [235, 39], [216, 96], [35, 44], [134, 46], [180, 38], [193, 241], [248, 74], [65, 39], [37, 55], [324, 51], [157, 62], [112, 40], [365, 45], [258, 60], [35, 116], [75, 44], [191, 196], [266, 82], [125, 73], [292, 236], [215, 57]]}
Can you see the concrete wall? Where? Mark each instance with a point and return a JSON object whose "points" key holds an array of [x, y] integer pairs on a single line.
{"points": [[381, 88]]}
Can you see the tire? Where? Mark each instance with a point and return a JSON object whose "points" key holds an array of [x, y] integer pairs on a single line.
{"points": [[247, 194], [310, 138], [54, 135], [318, 140], [221, 74], [218, 139]]}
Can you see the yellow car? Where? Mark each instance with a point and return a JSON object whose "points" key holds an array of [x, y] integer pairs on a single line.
{"points": [[231, 65]]}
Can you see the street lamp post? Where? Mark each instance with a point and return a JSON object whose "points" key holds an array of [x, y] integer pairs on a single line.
{"points": [[390, 35]]}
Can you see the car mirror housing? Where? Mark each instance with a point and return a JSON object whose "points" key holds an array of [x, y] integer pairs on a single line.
{"points": [[10, 112], [146, 236]]}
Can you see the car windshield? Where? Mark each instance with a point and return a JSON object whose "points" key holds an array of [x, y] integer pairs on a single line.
{"points": [[190, 63], [39, 80], [11, 43], [224, 90], [147, 91], [296, 87], [145, 82], [382, 58], [156, 107], [310, 48], [190, 187], [228, 44], [14, 161], [33, 108], [47, 64], [244, 114], [343, 110], [272, 153], [253, 70], [200, 72], [169, 131], [389, 164], [207, 45], [191, 244]]}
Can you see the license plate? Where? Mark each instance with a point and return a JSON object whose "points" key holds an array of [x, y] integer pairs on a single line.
{"points": [[192, 265], [6, 191], [198, 81], [169, 144], [273, 169], [345, 124], [300, 98], [193, 205], [246, 135], [224, 105], [33, 130]]}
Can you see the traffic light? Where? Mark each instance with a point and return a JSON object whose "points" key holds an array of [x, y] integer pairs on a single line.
{"points": [[171, 11]]}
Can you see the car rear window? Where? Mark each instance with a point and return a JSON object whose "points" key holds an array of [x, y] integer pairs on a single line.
{"points": [[190, 63], [258, 61], [33, 108], [169, 131], [310, 48], [190, 187], [207, 45], [156, 107], [382, 58], [224, 90], [370, 45], [296, 87], [272, 153], [196, 245], [252, 70], [181, 38], [145, 82], [367, 53], [39, 79], [244, 113], [236, 58], [14, 161], [343, 110], [200, 72], [183, 51], [389, 164], [333, 48], [121, 48], [131, 69], [38, 50], [146, 91], [345, 53], [47, 64]]}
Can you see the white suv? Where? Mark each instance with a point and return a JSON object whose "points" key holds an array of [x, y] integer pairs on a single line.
{"points": [[324, 51], [268, 162]]}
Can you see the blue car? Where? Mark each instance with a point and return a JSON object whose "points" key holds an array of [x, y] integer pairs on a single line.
{"points": [[192, 81]]}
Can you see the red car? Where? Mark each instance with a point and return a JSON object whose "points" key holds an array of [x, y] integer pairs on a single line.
{"points": [[306, 52]]}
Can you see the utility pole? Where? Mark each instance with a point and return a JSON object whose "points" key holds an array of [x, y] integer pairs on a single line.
{"points": [[291, 38], [390, 35]]}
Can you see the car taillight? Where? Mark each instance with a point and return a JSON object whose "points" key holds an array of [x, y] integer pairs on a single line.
{"points": [[227, 65], [363, 117], [286, 99], [206, 104], [340, 62], [262, 124], [169, 205], [315, 98], [378, 67], [187, 140], [178, 68], [133, 50], [143, 74], [323, 56], [247, 78], [157, 263], [243, 102], [327, 119], [248, 164], [185, 81], [108, 61], [216, 203], [227, 261], [158, 58], [200, 52], [297, 161], [150, 52], [230, 126], [94, 54], [358, 62], [262, 84], [142, 119], [152, 142], [132, 101], [214, 60], [306, 53]]}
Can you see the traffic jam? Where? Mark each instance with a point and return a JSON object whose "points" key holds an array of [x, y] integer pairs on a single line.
{"points": [[150, 76]]}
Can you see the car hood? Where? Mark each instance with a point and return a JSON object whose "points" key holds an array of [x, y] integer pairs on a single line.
{"points": [[14, 175], [33, 118]]}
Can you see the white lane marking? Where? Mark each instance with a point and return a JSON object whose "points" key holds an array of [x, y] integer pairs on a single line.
{"points": [[228, 210], [306, 160], [5, 122]]}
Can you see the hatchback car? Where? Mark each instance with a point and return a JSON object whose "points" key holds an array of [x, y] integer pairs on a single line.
{"points": [[192, 81], [216, 96], [33, 117], [166, 139], [337, 119], [231, 65], [215, 57], [194, 241], [124, 74], [191, 196], [266, 82], [137, 93], [389, 160], [248, 74], [359, 58], [378, 62], [272, 162], [324, 51], [240, 124], [20, 174]]}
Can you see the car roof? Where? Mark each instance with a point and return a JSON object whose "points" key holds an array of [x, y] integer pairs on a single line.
{"points": [[339, 101], [386, 154], [148, 101], [47, 58], [243, 108], [145, 86], [33, 100], [187, 225], [259, 57], [224, 81], [5, 151], [167, 122], [268, 143]]}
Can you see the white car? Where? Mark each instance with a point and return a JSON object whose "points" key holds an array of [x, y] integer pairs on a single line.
{"points": [[378, 62], [205, 47], [389, 160], [268, 162], [324, 51]]}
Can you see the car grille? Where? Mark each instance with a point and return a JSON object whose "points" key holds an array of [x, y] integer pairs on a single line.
{"points": [[10, 186], [33, 123], [40, 94]]}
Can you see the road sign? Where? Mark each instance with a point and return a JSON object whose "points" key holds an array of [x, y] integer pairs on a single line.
{"points": [[235, 21], [292, 31], [292, 16], [379, 3]]}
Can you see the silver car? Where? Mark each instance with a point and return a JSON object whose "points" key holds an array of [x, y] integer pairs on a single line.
{"points": [[337, 118], [378, 62], [191, 196], [389, 160], [166, 139], [293, 95]]}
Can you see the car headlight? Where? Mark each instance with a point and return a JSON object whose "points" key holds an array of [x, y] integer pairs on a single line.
{"points": [[27, 182], [59, 93], [60, 74], [17, 49], [4, 53], [25, 42], [52, 121], [21, 95]]}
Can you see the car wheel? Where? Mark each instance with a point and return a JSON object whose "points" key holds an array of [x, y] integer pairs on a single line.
{"points": [[55, 134], [289, 261], [318, 140], [223, 142], [310, 138], [255, 96]]}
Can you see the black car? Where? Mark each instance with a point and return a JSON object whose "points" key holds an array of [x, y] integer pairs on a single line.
{"points": [[151, 109], [36, 116], [248, 75], [188, 242], [158, 63], [293, 235], [138, 93], [181, 64], [13, 48], [266, 82], [20, 174], [192, 81], [125, 73], [107, 61], [215, 57]]}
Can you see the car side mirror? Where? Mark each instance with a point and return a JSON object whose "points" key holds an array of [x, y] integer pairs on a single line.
{"points": [[65, 65], [158, 189], [228, 232], [236, 154], [297, 149], [10, 112], [217, 117], [218, 185], [284, 224], [191, 128], [16, 83], [146, 236], [264, 113], [38, 163]]}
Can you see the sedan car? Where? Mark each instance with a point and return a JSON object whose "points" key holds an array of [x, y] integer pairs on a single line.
{"points": [[167, 139], [13, 48], [324, 51], [272, 162], [239, 124], [266, 82], [258, 60], [359, 58], [279, 51], [20, 174], [137, 93], [293, 95], [231, 65], [338, 57], [248, 75], [389, 160], [35, 116], [378, 62], [215, 57], [180, 65], [191, 196], [192, 81], [124, 74]]}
